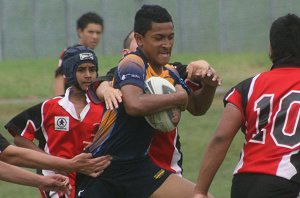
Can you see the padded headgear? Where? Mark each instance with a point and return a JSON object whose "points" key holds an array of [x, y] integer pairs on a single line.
{"points": [[75, 56]]}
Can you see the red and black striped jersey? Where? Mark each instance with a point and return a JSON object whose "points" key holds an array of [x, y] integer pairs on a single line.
{"points": [[270, 105]]}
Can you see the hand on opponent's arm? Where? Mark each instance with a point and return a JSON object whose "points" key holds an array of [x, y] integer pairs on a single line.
{"points": [[85, 164], [112, 97], [18, 175], [201, 71], [58, 183]]}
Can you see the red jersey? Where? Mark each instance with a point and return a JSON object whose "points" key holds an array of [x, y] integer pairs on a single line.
{"points": [[58, 128], [165, 151], [270, 105]]}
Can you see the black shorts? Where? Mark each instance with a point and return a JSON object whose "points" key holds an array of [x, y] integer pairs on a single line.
{"points": [[134, 179], [249, 185]]}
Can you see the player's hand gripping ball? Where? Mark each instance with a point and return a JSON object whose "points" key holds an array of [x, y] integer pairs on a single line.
{"points": [[167, 120]]}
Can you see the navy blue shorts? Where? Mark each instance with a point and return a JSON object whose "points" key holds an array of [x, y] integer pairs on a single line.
{"points": [[134, 179], [249, 185]]}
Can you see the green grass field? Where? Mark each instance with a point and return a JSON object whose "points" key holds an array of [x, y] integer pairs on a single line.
{"points": [[30, 81]]}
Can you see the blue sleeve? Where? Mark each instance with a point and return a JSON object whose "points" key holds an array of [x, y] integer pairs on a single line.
{"points": [[130, 73]]}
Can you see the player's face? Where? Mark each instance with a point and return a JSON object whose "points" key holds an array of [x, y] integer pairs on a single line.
{"points": [[85, 74], [157, 43], [91, 35]]}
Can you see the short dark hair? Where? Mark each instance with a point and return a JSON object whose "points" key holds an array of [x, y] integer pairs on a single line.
{"points": [[148, 14], [127, 40], [285, 39], [87, 18]]}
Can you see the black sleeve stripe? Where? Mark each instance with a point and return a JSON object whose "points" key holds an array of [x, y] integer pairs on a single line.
{"points": [[3, 143]]}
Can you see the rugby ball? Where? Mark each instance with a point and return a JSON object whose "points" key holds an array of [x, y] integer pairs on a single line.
{"points": [[162, 121]]}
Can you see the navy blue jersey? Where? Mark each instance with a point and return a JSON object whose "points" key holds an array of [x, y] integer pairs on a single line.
{"points": [[270, 105], [123, 136]]}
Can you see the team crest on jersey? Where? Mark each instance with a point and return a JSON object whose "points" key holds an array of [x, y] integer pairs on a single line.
{"points": [[61, 123]]}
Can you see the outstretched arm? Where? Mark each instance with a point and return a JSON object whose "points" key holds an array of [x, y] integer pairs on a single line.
{"points": [[83, 163], [17, 175], [227, 128]]}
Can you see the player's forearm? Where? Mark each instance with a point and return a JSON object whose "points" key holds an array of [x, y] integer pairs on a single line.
{"points": [[211, 162], [216, 151], [102, 88], [201, 100], [145, 104], [34, 159], [17, 175]]}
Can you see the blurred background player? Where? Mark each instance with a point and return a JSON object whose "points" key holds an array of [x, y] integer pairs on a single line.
{"points": [[266, 108], [64, 124], [21, 156], [89, 28]]}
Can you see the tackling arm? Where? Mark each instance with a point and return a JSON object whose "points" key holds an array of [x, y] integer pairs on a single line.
{"points": [[17, 175], [203, 74], [83, 163], [200, 100]]}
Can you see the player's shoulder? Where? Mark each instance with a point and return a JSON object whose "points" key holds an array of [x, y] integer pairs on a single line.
{"points": [[242, 88], [52, 101], [131, 59]]}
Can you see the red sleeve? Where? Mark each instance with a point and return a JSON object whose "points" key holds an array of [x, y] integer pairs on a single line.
{"points": [[234, 97]]}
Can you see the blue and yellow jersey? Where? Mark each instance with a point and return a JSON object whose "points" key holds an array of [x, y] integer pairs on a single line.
{"points": [[123, 136]]}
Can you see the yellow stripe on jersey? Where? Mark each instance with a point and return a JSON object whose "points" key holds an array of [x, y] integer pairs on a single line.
{"points": [[163, 74], [160, 173], [106, 125]]}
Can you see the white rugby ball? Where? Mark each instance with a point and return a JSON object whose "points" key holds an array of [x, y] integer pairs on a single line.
{"points": [[161, 120]]}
